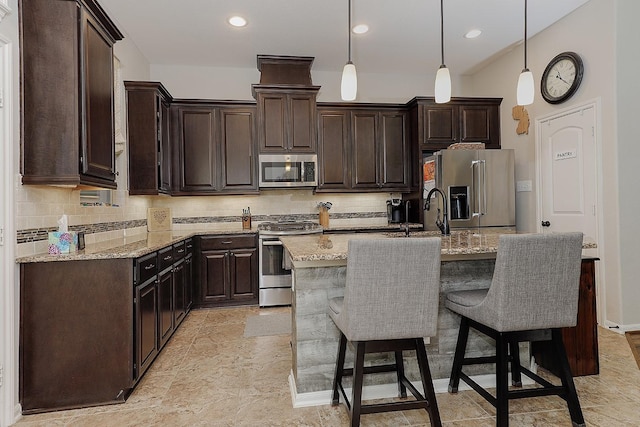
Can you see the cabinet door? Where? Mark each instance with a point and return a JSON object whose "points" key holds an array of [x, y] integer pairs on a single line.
{"points": [[146, 309], [98, 148], [197, 157], [440, 124], [395, 151], [179, 293], [273, 114], [214, 276], [243, 269], [333, 142], [188, 278], [480, 123], [301, 128], [238, 150], [164, 163], [165, 306], [364, 152]]}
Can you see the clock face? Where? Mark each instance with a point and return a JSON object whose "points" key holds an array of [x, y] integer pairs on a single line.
{"points": [[561, 78]]}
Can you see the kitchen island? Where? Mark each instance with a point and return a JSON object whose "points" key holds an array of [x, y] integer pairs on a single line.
{"points": [[319, 271]]}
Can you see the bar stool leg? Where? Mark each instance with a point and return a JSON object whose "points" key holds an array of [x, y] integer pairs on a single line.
{"points": [[358, 375], [516, 377], [402, 389], [337, 378], [502, 381], [458, 358], [427, 384], [566, 377]]}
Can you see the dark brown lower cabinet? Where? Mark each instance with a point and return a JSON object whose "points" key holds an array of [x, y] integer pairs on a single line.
{"points": [[165, 305], [90, 329], [228, 270], [76, 333], [581, 341], [146, 329]]}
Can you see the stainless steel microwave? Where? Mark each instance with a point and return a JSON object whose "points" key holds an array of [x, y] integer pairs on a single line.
{"points": [[288, 170]]}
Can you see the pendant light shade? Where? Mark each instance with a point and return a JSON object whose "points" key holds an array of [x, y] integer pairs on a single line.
{"points": [[526, 87], [443, 85], [443, 78], [349, 85]]}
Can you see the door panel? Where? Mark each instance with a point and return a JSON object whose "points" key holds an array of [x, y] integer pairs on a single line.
{"points": [[237, 149], [243, 269], [214, 276], [332, 150], [365, 157], [568, 187], [198, 153], [394, 147]]}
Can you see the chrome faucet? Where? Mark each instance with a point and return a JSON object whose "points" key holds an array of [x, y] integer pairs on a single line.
{"points": [[444, 224], [407, 205]]}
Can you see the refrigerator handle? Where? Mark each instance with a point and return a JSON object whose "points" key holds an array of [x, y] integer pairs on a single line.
{"points": [[483, 208], [475, 188]]}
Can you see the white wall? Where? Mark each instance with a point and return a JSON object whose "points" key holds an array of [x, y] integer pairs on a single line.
{"points": [[235, 83], [590, 31], [628, 138]]}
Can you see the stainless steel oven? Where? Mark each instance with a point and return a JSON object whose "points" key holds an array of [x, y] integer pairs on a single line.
{"points": [[275, 273]]}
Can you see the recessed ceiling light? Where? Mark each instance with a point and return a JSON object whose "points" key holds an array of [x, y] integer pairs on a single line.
{"points": [[472, 34], [360, 29], [237, 21]]}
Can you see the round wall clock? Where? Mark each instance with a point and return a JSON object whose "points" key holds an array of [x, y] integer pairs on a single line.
{"points": [[562, 77]]}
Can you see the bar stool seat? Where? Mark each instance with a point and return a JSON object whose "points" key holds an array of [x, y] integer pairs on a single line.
{"points": [[533, 294], [390, 304]]}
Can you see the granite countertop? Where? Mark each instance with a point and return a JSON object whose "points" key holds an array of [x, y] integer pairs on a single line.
{"points": [[333, 247], [358, 228], [134, 246]]}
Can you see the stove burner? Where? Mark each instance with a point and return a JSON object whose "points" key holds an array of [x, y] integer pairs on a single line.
{"points": [[289, 227]]}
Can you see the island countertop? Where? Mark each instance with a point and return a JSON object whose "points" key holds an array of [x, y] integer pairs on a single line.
{"points": [[461, 243]]}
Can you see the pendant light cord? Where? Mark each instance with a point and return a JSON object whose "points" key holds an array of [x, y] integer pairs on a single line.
{"points": [[350, 31], [525, 34], [442, 32]]}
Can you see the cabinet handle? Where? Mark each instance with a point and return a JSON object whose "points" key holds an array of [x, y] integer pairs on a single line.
{"points": [[149, 267], [180, 251], [227, 242], [167, 258]]}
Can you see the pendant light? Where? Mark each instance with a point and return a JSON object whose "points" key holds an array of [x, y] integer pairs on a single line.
{"points": [[443, 78], [349, 85], [525, 89]]}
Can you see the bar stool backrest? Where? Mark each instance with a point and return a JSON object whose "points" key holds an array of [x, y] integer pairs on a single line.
{"points": [[535, 282], [392, 289]]}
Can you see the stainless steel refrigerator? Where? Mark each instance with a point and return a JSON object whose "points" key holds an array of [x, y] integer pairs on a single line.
{"points": [[479, 186]]}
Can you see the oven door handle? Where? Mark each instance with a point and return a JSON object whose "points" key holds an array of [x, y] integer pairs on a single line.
{"points": [[272, 243]]}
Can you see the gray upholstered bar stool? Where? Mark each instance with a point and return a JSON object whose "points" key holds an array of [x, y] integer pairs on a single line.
{"points": [[534, 293], [390, 304]]}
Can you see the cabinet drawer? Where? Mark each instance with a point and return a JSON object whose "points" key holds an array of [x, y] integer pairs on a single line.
{"points": [[165, 257], [146, 267], [188, 244], [228, 242], [179, 251]]}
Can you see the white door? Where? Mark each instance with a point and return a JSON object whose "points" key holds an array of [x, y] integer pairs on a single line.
{"points": [[568, 174]]}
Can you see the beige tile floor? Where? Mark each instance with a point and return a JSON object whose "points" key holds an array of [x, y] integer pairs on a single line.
{"points": [[210, 375]]}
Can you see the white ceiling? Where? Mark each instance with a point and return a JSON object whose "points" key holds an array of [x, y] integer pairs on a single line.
{"points": [[404, 34]]}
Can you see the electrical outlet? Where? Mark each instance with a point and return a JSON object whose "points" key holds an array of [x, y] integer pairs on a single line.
{"points": [[523, 186]]}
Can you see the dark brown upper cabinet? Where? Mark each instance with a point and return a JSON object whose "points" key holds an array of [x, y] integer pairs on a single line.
{"points": [[286, 104], [214, 148], [436, 126], [67, 93], [148, 138], [286, 119], [363, 148]]}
